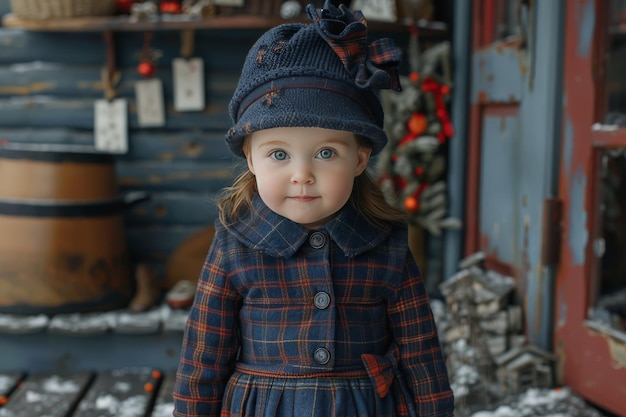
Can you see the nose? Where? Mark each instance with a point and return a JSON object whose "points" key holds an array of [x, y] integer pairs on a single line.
{"points": [[302, 174]]}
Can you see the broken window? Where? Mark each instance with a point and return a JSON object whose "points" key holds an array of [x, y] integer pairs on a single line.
{"points": [[609, 244], [610, 248]]}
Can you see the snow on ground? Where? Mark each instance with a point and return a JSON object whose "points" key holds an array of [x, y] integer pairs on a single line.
{"points": [[559, 402]]}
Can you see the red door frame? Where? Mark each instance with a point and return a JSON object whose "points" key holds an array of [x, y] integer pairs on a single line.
{"points": [[592, 362], [483, 24], [485, 15]]}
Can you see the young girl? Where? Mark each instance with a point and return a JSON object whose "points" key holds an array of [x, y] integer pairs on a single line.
{"points": [[309, 302]]}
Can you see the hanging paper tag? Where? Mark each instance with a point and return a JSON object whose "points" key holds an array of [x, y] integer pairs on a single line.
{"points": [[188, 84], [150, 106], [111, 125]]}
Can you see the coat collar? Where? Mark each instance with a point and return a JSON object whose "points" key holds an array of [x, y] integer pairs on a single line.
{"points": [[264, 230]]}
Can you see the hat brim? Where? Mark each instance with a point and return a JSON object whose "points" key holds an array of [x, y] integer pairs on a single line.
{"points": [[317, 108]]}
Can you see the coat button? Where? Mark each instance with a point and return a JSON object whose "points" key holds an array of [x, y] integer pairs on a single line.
{"points": [[321, 356], [317, 240], [321, 300]]}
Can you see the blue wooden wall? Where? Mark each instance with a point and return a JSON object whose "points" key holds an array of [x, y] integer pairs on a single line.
{"points": [[48, 84]]}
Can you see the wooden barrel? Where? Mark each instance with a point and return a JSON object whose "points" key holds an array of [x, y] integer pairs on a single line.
{"points": [[62, 239], [56, 173]]}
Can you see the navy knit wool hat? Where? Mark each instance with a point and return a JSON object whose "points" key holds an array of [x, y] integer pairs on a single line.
{"points": [[322, 74]]}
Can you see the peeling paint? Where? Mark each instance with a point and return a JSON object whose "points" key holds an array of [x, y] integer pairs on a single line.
{"points": [[497, 74], [615, 342], [578, 234], [562, 314], [618, 353], [587, 18], [568, 146]]}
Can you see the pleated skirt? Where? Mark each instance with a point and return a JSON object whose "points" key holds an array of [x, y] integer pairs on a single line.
{"points": [[262, 396]]}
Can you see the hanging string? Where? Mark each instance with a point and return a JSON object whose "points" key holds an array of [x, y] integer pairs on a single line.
{"points": [[110, 80], [187, 43], [110, 74]]}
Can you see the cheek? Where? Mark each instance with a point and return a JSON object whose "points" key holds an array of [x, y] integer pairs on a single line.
{"points": [[268, 184], [339, 185]]}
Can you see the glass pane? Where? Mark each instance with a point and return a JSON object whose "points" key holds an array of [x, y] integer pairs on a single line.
{"points": [[616, 64], [610, 305]]}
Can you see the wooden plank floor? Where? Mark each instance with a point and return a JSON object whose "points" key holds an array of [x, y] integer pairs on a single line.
{"points": [[130, 392], [119, 392]]}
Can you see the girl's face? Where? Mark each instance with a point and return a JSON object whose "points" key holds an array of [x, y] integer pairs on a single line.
{"points": [[305, 174]]}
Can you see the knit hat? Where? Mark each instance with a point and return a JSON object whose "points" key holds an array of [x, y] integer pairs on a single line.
{"points": [[321, 74]]}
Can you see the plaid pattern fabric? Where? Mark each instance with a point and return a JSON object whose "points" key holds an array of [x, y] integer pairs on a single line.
{"points": [[257, 339], [346, 33]]}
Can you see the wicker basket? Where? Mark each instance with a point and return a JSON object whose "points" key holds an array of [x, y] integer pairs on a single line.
{"points": [[60, 9]]}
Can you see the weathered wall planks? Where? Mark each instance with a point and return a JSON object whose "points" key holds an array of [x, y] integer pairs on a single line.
{"points": [[48, 84]]}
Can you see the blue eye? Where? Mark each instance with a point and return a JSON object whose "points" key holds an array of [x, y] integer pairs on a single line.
{"points": [[279, 155], [326, 153]]}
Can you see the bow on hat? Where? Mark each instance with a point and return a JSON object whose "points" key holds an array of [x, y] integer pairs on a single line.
{"points": [[374, 65]]}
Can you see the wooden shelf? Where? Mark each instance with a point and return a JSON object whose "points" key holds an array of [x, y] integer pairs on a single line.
{"points": [[180, 22]]}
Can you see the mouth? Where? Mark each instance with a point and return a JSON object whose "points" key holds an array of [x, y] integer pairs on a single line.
{"points": [[303, 198]]}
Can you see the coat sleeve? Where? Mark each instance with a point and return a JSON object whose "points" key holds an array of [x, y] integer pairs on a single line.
{"points": [[210, 341], [421, 361]]}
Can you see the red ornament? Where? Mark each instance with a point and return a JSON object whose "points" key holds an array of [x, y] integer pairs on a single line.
{"points": [[400, 183], [430, 85], [409, 137], [170, 6], [417, 124], [411, 204], [146, 69], [123, 6]]}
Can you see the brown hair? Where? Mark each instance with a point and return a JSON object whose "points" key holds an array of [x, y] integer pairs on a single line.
{"points": [[366, 197]]}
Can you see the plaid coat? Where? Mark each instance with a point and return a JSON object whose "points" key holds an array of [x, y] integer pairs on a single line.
{"points": [[289, 321]]}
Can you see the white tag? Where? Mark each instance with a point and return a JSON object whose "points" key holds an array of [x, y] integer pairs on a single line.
{"points": [[111, 125], [150, 106], [381, 10], [188, 84]]}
